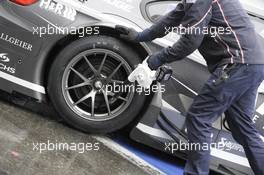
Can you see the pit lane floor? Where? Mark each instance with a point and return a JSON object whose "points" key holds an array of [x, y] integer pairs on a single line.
{"points": [[25, 124], [22, 131]]}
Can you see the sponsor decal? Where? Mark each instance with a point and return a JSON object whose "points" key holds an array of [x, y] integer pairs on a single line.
{"points": [[59, 9], [255, 118], [5, 59], [16, 42], [231, 145]]}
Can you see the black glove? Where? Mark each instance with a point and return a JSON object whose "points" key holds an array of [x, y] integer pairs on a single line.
{"points": [[155, 61], [129, 34]]}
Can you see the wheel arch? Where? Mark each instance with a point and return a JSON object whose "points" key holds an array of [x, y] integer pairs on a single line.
{"points": [[106, 29]]}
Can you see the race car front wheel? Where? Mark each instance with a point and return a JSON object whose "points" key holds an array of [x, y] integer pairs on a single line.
{"points": [[87, 85]]}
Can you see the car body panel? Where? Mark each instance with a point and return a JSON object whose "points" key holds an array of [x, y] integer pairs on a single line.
{"points": [[255, 7]]}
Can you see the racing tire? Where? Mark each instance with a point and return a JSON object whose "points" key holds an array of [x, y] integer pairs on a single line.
{"points": [[77, 79]]}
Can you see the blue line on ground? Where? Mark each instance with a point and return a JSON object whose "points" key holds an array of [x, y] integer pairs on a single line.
{"points": [[169, 165]]}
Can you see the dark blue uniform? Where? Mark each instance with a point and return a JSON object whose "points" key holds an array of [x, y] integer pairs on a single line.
{"points": [[236, 60]]}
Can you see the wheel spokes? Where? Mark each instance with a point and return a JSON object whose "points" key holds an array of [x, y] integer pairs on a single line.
{"points": [[89, 95], [114, 72], [85, 81], [122, 98], [93, 104], [117, 96], [102, 63], [107, 102], [90, 65], [79, 74], [79, 85]]}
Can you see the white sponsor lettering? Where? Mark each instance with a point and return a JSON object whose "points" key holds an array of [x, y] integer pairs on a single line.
{"points": [[255, 118], [59, 9], [7, 68], [16, 42], [231, 145], [4, 57]]}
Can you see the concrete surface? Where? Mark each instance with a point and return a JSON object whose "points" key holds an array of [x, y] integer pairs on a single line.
{"points": [[21, 130]]}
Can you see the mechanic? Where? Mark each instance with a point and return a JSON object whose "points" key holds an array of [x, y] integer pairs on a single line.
{"points": [[236, 63]]}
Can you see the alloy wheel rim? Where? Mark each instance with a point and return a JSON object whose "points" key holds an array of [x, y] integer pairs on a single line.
{"points": [[86, 81]]}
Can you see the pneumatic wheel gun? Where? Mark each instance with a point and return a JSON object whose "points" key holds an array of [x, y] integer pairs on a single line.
{"points": [[164, 73]]}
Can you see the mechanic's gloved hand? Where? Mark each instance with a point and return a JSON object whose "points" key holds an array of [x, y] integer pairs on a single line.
{"points": [[129, 34], [155, 61]]}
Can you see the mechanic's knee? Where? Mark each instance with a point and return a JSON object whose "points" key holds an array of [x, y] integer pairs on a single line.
{"points": [[198, 130]]}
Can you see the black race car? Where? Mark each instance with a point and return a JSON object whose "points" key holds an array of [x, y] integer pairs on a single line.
{"points": [[68, 53]]}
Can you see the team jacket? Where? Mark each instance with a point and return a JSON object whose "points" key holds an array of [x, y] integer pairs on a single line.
{"points": [[232, 39]]}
